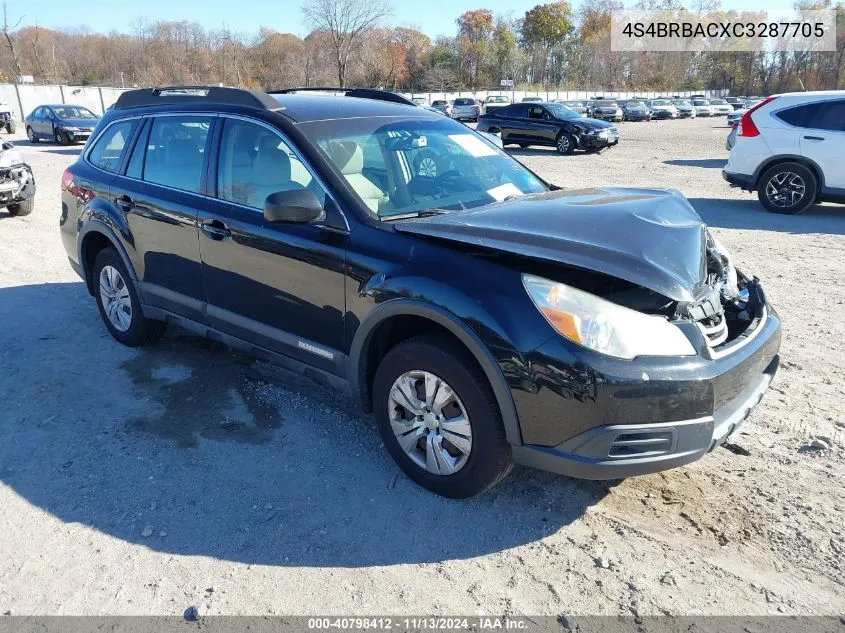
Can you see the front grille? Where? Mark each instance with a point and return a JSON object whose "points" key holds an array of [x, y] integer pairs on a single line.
{"points": [[714, 329]]}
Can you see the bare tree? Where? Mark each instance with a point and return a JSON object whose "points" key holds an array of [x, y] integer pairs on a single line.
{"points": [[345, 21], [10, 43]]}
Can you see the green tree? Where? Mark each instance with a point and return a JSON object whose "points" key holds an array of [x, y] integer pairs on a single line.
{"points": [[544, 28], [474, 31]]}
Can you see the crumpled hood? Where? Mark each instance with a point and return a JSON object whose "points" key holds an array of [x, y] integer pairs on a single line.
{"points": [[649, 237]]}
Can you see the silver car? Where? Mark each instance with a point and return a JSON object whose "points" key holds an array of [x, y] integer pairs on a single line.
{"points": [[465, 108]]}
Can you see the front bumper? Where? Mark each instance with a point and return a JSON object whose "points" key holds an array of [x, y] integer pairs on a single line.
{"points": [[16, 184], [594, 417], [663, 114]]}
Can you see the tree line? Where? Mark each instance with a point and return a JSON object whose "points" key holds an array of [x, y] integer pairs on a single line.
{"points": [[352, 43]]}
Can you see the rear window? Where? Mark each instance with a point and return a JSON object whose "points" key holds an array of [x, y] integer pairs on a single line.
{"points": [[462, 102], [438, 103], [107, 152], [175, 151]]}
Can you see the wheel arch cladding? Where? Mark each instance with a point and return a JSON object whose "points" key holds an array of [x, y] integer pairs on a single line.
{"points": [[397, 320], [790, 158], [93, 238]]}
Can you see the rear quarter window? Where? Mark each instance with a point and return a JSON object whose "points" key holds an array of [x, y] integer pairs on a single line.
{"points": [[107, 151]]}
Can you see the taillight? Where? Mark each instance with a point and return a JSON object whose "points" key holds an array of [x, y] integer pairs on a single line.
{"points": [[746, 125], [67, 180]]}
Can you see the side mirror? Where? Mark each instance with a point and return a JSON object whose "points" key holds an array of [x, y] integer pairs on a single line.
{"points": [[299, 206]]}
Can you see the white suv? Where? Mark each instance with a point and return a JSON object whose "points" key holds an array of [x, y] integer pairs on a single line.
{"points": [[789, 149]]}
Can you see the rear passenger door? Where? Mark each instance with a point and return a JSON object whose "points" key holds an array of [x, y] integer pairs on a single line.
{"points": [[823, 142], [159, 193], [280, 286]]}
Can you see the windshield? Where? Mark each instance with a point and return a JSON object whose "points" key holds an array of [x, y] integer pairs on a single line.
{"points": [[418, 100], [681, 102], [635, 104], [660, 102], [460, 102], [560, 111], [438, 103], [402, 166], [700, 102], [606, 104], [73, 112], [573, 104], [717, 102], [496, 100]]}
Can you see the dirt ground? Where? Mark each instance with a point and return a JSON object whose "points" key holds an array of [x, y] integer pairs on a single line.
{"points": [[135, 482]]}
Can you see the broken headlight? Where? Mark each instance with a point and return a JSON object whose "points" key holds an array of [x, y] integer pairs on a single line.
{"points": [[602, 326]]}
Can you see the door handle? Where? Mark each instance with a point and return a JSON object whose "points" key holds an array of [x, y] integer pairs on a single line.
{"points": [[215, 229], [125, 203], [814, 138]]}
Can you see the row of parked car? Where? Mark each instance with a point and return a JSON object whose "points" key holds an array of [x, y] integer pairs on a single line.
{"points": [[605, 108]]}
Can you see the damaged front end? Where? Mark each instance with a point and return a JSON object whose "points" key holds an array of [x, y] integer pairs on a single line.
{"points": [[729, 307], [17, 182]]}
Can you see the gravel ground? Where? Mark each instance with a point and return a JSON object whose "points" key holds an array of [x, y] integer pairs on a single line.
{"points": [[136, 482]]}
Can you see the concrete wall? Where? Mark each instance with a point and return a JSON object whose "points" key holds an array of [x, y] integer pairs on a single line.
{"points": [[517, 95], [24, 98]]}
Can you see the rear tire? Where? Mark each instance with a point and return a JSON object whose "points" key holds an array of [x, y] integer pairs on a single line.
{"points": [[788, 188], [21, 208], [11, 126], [129, 327], [489, 457]]}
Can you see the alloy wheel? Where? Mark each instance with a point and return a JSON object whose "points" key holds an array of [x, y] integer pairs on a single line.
{"points": [[430, 422], [30, 134], [563, 143], [785, 189], [115, 297]]}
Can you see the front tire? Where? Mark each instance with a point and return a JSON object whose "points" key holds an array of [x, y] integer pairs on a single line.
{"points": [[439, 419], [565, 143], [21, 208], [31, 135], [62, 138], [788, 188], [118, 302]]}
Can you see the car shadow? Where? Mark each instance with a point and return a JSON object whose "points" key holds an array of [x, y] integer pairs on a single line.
{"points": [[548, 151], [705, 163], [188, 447], [750, 214], [66, 151]]}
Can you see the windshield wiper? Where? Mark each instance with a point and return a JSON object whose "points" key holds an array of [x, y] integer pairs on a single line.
{"points": [[414, 214]]}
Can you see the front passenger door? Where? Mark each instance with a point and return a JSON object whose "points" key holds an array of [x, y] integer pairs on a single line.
{"points": [[280, 286]]}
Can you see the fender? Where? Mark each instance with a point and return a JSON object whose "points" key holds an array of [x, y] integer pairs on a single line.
{"points": [[95, 225], [488, 364], [783, 158]]}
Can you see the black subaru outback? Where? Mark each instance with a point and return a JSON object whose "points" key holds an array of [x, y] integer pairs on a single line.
{"points": [[485, 316]]}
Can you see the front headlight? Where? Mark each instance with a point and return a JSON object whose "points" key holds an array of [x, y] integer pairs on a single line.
{"points": [[602, 326], [69, 128]]}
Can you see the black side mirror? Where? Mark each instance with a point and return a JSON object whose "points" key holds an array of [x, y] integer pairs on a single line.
{"points": [[299, 206]]}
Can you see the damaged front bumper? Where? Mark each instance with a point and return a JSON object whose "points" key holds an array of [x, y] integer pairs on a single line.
{"points": [[595, 417], [17, 183]]}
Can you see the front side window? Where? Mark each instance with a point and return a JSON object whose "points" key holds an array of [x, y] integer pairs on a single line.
{"points": [[176, 150], [400, 165], [255, 162], [107, 151]]}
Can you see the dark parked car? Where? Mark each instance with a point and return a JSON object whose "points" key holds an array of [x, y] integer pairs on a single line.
{"points": [[64, 124], [736, 103], [607, 110], [484, 315], [17, 184], [635, 110], [551, 124]]}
